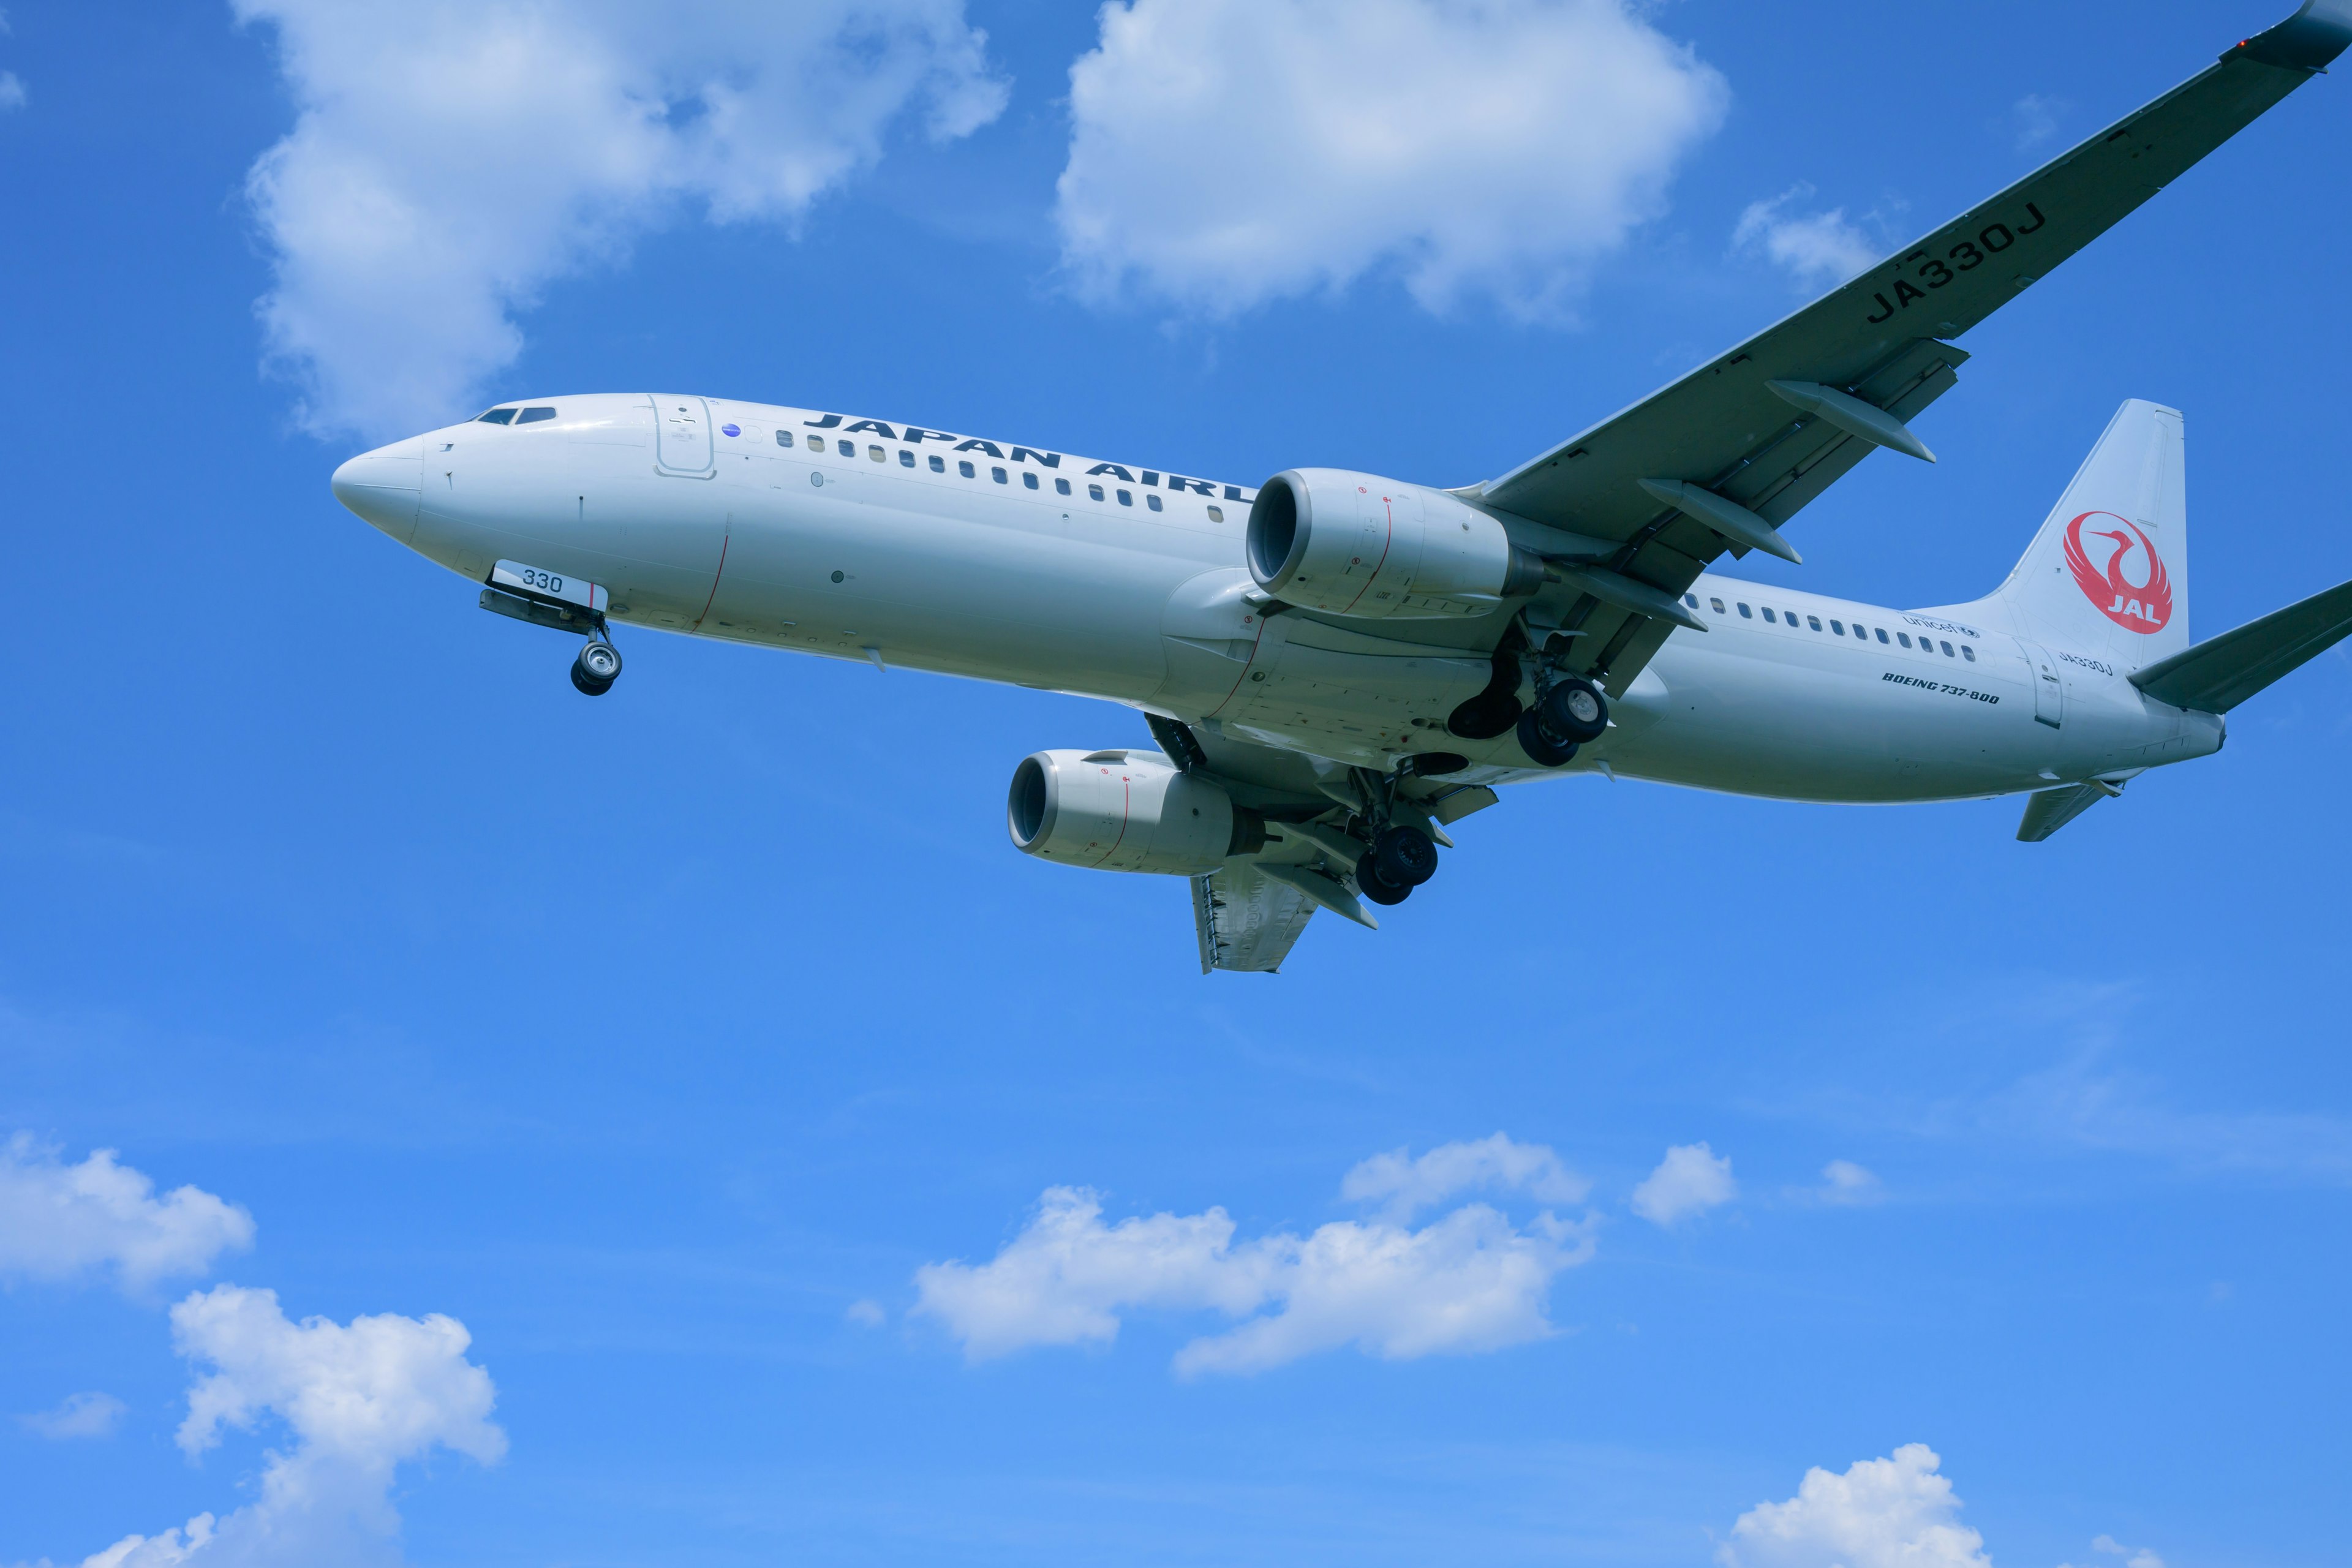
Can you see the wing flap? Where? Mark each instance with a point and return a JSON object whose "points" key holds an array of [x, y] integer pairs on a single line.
{"points": [[1247, 921]]}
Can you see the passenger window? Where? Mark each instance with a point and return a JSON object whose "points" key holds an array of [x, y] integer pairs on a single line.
{"points": [[1028, 478], [1967, 652], [939, 464], [967, 470], [1882, 633], [849, 448], [1217, 514], [1745, 614], [877, 454], [1947, 650], [1094, 492], [905, 459], [1837, 628], [1767, 617], [996, 473], [1718, 605], [533, 415], [1152, 502], [1061, 487], [498, 417], [783, 437], [1691, 600], [1902, 637], [1125, 499], [1815, 621]]}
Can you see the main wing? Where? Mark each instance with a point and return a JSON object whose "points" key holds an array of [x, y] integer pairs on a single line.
{"points": [[1857, 363]]}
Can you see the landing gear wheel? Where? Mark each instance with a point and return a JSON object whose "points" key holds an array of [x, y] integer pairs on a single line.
{"points": [[1404, 857], [599, 662], [598, 666], [1375, 887], [1574, 711], [1543, 748]]}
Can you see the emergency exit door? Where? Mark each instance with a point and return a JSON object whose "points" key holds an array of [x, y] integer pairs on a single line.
{"points": [[2049, 690]]}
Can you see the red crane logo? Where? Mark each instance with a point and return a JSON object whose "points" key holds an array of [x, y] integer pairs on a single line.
{"points": [[2145, 606]]}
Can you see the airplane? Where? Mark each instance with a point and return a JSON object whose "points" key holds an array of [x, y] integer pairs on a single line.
{"points": [[1336, 668]]}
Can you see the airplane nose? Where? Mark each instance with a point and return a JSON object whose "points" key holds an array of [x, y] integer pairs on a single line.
{"points": [[383, 487]]}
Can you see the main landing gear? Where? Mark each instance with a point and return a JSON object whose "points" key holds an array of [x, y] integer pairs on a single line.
{"points": [[1569, 712], [598, 666], [1401, 859]]}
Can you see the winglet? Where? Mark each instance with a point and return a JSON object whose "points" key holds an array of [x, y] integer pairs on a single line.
{"points": [[2309, 41]]}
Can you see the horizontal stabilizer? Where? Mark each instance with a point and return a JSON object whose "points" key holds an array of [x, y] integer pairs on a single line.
{"points": [[2218, 674], [2048, 810]]}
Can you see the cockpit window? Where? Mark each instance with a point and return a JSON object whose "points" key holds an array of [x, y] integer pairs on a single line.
{"points": [[533, 415], [500, 417]]}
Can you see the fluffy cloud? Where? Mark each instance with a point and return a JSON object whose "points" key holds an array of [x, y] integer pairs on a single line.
{"points": [[1881, 1513], [11, 87], [448, 159], [359, 1399], [1226, 152], [2035, 117], [2134, 1556], [1845, 1182], [78, 1416], [1690, 1180], [1819, 250], [1470, 1280], [1405, 1185], [58, 1221]]}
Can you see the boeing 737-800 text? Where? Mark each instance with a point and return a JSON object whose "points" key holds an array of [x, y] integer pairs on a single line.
{"points": [[1336, 665]]}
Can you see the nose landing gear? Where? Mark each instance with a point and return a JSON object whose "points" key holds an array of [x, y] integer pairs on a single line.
{"points": [[598, 666]]}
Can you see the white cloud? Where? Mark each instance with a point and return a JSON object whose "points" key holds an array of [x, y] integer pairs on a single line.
{"points": [[2035, 117], [12, 90], [1405, 1185], [359, 1400], [2134, 1556], [1469, 1281], [58, 1221], [1845, 1182], [78, 1416], [450, 159], [1819, 250], [1896, 1512], [1226, 153], [867, 1314], [1690, 1180]]}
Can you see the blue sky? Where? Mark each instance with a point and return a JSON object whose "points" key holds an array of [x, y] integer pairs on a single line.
{"points": [[660, 1041]]}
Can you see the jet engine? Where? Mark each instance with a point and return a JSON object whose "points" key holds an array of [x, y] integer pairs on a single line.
{"points": [[1357, 544], [1125, 811]]}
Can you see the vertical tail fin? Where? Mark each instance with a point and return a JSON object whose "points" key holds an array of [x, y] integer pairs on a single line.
{"points": [[2108, 573]]}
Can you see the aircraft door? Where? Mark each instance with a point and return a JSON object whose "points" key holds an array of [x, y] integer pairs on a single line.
{"points": [[2049, 690], [682, 444]]}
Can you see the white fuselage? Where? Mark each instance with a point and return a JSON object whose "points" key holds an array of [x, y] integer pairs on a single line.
{"points": [[889, 552]]}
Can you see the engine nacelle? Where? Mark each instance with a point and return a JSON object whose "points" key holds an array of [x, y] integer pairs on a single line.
{"points": [[1125, 811], [1357, 544]]}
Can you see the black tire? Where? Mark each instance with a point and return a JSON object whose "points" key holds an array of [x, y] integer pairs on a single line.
{"points": [[1376, 888], [1404, 856], [587, 687], [1543, 748], [1574, 710], [598, 663]]}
